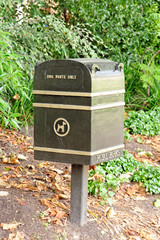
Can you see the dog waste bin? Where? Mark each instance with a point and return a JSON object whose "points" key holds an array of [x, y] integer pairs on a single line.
{"points": [[78, 117]]}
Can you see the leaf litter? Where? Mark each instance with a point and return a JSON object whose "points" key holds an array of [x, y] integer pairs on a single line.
{"points": [[121, 221]]}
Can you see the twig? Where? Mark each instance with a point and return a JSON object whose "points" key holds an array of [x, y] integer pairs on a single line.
{"points": [[93, 214], [156, 53], [145, 52]]}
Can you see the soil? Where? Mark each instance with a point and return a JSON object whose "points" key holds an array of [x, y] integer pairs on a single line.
{"points": [[38, 202]]}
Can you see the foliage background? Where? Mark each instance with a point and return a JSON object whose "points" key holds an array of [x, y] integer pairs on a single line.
{"points": [[123, 31]]}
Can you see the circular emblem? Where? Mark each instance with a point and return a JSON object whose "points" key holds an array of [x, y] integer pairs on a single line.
{"points": [[61, 127]]}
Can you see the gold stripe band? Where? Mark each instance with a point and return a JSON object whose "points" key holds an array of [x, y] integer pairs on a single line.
{"points": [[77, 94], [78, 107], [76, 152]]}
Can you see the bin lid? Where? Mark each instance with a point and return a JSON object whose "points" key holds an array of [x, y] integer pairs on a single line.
{"points": [[71, 74]]}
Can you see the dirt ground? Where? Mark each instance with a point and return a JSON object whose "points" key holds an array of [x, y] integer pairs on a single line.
{"points": [[35, 197]]}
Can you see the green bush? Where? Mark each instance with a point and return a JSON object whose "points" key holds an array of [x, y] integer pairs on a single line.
{"points": [[35, 40], [14, 97], [127, 28]]}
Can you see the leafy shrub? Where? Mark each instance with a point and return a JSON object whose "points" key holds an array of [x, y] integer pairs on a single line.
{"points": [[127, 28], [35, 40], [13, 90], [145, 123]]}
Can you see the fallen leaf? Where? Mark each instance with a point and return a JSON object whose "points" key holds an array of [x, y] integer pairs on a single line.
{"points": [[58, 178], [132, 191], [140, 140], [3, 194], [22, 202], [31, 167], [56, 170], [57, 186], [64, 196], [59, 204], [21, 157], [25, 186], [16, 236], [147, 235], [57, 221], [53, 213], [10, 160], [60, 215], [132, 232], [110, 213], [157, 203], [46, 203], [43, 164], [139, 198], [3, 183], [10, 226], [41, 186]]}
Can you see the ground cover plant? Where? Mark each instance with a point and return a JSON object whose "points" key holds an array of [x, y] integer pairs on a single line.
{"points": [[143, 122], [105, 178]]}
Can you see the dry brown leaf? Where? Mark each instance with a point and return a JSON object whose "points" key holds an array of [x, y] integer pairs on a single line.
{"points": [[31, 167], [59, 204], [53, 213], [10, 160], [57, 221], [16, 236], [139, 198], [132, 232], [56, 170], [132, 191], [46, 203], [3, 183], [43, 164], [25, 186], [60, 215], [147, 235], [41, 186], [64, 196], [3, 194], [57, 186], [58, 178], [22, 202], [10, 226], [110, 213]]}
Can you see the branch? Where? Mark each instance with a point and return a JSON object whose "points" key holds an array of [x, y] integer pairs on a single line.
{"points": [[145, 52], [156, 53]]}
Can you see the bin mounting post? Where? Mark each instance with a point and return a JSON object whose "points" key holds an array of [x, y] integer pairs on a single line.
{"points": [[79, 194]]}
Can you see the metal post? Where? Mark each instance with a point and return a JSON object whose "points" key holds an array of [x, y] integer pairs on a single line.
{"points": [[79, 194]]}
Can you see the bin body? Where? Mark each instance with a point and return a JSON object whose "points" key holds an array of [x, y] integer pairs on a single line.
{"points": [[78, 111]]}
